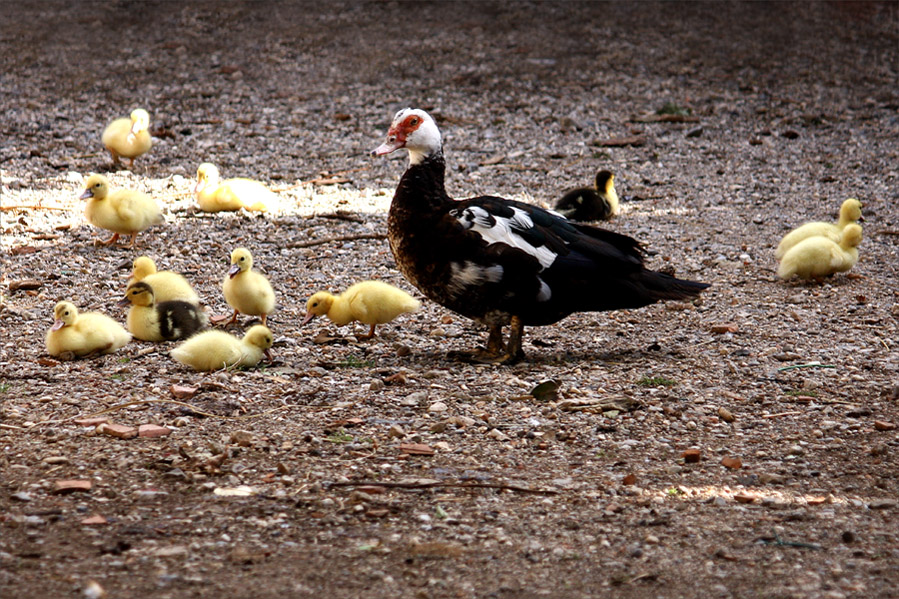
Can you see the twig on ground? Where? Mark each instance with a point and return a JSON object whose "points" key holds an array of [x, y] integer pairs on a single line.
{"points": [[314, 242], [443, 485], [779, 414], [810, 365]]}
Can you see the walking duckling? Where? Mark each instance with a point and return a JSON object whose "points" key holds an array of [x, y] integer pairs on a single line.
{"points": [[214, 195], [167, 285], [75, 334], [164, 321], [850, 213], [124, 211], [212, 350], [369, 302], [819, 257], [588, 204], [246, 290], [128, 138]]}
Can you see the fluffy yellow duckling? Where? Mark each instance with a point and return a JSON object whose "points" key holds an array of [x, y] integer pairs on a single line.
{"points": [[165, 321], [75, 335], [850, 213], [212, 350], [214, 195], [167, 285], [819, 257], [124, 212], [246, 290], [587, 204], [369, 302], [128, 138]]}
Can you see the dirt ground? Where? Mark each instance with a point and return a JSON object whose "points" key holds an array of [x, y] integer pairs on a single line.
{"points": [[384, 468]]}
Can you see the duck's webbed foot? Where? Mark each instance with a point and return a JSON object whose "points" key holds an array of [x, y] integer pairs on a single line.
{"points": [[497, 352]]}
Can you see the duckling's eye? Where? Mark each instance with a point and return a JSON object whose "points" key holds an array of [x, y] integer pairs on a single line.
{"points": [[315, 304], [66, 313]]}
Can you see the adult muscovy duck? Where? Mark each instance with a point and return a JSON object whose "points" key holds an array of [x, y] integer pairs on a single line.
{"points": [[503, 262]]}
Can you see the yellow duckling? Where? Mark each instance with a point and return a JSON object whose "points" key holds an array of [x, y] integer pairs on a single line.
{"points": [[214, 195], [75, 335], [587, 204], [165, 321], [850, 213], [128, 138], [369, 302], [167, 285], [819, 257], [212, 350], [124, 212], [246, 290]]}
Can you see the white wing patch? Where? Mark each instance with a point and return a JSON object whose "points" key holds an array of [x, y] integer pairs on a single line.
{"points": [[545, 292], [497, 229], [468, 274]]}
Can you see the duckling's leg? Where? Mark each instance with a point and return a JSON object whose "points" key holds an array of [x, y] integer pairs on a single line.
{"points": [[133, 238], [115, 155], [371, 333], [131, 163], [264, 317], [234, 319], [111, 240]]}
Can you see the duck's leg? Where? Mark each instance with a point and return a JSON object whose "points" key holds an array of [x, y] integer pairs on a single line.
{"points": [[516, 334], [111, 240], [371, 333], [234, 319], [494, 351], [133, 238]]}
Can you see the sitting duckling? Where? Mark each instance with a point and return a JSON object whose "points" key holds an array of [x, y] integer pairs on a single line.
{"points": [[587, 204], [212, 350], [214, 195], [76, 335], [246, 290], [850, 213], [128, 137], [819, 257], [165, 321], [124, 212], [167, 285], [369, 302]]}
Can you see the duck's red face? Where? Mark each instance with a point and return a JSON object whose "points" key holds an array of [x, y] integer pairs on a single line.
{"points": [[405, 124], [412, 129]]}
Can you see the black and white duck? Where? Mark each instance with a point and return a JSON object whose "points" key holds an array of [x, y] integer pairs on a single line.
{"points": [[503, 262]]}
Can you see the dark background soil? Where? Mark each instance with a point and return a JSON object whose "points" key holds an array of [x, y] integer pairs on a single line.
{"points": [[798, 109]]}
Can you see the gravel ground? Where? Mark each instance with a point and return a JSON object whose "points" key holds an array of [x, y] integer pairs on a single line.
{"points": [[384, 468]]}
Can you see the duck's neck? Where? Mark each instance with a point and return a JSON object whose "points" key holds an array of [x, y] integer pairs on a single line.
{"points": [[422, 185], [339, 312]]}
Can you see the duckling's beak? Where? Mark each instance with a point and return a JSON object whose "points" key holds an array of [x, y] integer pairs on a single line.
{"points": [[87, 194], [309, 316], [200, 185], [232, 272], [57, 325], [861, 219], [268, 355], [394, 142], [123, 302]]}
